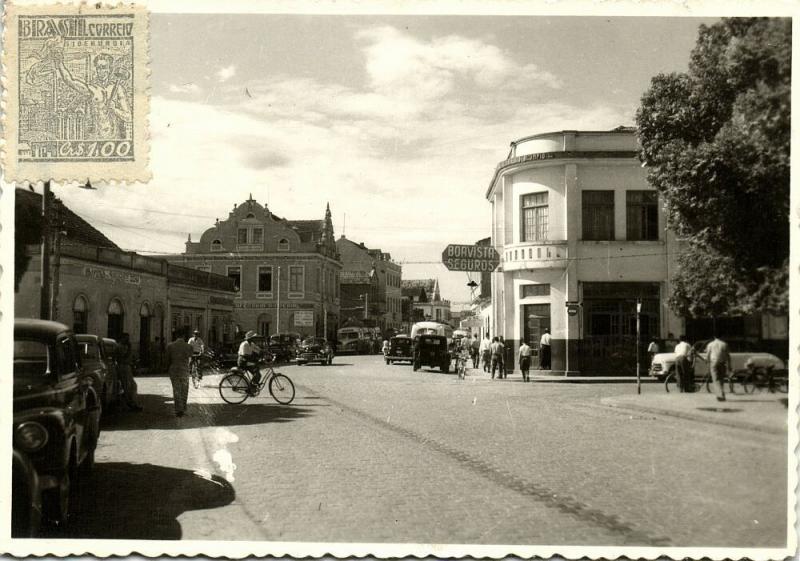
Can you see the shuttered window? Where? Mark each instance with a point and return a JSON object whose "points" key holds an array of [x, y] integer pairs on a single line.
{"points": [[598, 215]]}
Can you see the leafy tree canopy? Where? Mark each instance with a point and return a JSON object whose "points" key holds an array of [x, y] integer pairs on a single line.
{"points": [[716, 142]]}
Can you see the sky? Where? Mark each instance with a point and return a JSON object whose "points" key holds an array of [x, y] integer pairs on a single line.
{"points": [[396, 121]]}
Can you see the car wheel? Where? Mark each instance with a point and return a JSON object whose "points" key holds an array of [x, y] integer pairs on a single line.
{"points": [[446, 367]]}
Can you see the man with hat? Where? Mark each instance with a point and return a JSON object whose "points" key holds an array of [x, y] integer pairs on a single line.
{"points": [[248, 356], [198, 348]]}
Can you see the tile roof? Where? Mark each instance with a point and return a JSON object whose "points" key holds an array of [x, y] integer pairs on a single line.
{"points": [[77, 229], [308, 230]]}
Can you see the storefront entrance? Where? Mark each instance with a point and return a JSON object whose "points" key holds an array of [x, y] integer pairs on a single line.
{"points": [[609, 315], [536, 320]]}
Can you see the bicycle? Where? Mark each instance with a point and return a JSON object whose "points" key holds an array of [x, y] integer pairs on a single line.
{"points": [[461, 366], [237, 386], [671, 381], [759, 379]]}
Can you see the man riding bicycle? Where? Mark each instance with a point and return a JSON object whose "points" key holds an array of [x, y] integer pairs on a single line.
{"points": [[248, 356], [198, 348]]}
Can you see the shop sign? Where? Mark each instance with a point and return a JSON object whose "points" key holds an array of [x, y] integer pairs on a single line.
{"points": [[268, 305], [113, 277], [220, 300], [304, 318], [473, 258]]}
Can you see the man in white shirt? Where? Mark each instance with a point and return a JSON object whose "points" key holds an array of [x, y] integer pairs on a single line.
{"points": [[525, 353], [198, 347], [544, 351], [486, 353], [247, 357], [683, 366]]}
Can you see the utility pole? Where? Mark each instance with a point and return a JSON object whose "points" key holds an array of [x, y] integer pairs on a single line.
{"points": [[44, 283], [56, 281], [638, 331], [366, 305], [279, 301]]}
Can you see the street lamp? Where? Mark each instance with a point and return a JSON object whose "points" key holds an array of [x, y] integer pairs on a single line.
{"points": [[638, 332]]}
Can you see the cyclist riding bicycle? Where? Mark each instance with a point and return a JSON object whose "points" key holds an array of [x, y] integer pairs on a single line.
{"points": [[248, 355], [198, 348]]}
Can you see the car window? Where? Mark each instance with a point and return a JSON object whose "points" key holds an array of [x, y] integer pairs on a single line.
{"points": [[88, 350], [67, 355], [31, 361]]}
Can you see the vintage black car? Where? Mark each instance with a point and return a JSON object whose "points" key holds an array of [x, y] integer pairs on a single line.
{"points": [[431, 351], [56, 413], [315, 349], [400, 349], [95, 364]]}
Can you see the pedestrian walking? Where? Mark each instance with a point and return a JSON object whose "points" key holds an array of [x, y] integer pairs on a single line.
{"points": [[683, 365], [498, 362], [474, 350], [125, 372], [507, 357], [653, 349], [486, 353], [179, 352], [525, 353], [719, 362], [544, 351]]}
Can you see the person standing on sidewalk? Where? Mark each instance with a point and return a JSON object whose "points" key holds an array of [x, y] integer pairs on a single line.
{"points": [[719, 361], [525, 353], [179, 352], [652, 349], [683, 366], [475, 348], [125, 372], [544, 351], [498, 352], [486, 353]]}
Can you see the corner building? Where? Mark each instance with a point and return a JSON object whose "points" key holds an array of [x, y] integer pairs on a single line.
{"points": [[286, 272], [575, 221]]}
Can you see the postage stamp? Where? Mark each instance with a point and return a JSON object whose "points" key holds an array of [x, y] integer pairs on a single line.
{"points": [[76, 95]]}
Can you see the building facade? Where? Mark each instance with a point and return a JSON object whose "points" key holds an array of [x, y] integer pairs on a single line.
{"points": [[369, 287], [98, 288], [582, 238], [285, 272], [424, 301]]}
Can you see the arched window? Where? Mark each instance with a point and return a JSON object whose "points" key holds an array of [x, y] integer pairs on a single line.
{"points": [[216, 245], [283, 245], [116, 318], [250, 215], [80, 315]]}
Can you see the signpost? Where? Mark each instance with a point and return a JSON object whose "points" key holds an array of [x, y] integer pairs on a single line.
{"points": [[471, 258]]}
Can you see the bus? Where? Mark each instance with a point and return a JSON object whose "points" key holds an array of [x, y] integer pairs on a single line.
{"points": [[354, 340], [432, 328]]}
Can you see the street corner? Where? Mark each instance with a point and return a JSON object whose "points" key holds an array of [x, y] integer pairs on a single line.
{"points": [[758, 412]]}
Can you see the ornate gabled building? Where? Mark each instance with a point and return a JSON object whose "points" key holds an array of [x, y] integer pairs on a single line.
{"points": [[423, 301], [286, 271]]}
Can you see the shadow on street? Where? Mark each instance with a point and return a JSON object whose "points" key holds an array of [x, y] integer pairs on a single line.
{"points": [[159, 414], [120, 501]]}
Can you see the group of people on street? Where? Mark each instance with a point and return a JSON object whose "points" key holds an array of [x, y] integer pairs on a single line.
{"points": [[719, 364], [491, 354]]}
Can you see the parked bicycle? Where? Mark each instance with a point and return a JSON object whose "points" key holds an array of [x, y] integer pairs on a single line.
{"points": [[734, 381], [237, 386], [769, 379]]}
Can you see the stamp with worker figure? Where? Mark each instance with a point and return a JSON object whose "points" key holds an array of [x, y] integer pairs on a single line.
{"points": [[76, 101]]}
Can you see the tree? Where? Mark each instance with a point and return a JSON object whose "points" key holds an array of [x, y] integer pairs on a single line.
{"points": [[716, 142]]}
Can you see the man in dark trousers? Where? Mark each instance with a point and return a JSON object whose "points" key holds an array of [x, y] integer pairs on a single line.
{"points": [[544, 351]]}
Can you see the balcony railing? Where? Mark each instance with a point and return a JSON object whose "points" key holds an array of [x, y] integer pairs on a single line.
{"points": [[550, 254]]}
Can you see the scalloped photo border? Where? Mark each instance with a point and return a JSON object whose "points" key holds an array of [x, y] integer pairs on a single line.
{"points": [[64, 171]]}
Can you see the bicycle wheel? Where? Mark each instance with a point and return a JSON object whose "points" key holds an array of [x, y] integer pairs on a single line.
{"points": [[671, 382], [782, 383], [233, 388], [753, 382], [282, 389]]}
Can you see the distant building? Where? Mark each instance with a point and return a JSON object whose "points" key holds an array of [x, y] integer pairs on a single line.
{"points": [[285, 272], [103, 290], [423, 301], [369, 287]]}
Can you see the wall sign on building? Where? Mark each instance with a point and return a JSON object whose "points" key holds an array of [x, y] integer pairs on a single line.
{"points": [[304, 318], [102, 274]]}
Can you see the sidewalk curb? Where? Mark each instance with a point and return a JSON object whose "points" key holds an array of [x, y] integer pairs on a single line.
{"points": [[728, 422]]}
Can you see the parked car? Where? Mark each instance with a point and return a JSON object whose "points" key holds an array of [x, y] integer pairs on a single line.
{"points": [[315, 349], [26, 499], [400, 349], [741, 351], [95, 365], [283, 346], [56, 412], [431, 351]]}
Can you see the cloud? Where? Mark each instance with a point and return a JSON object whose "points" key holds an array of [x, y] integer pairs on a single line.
{"points": [[226, 73], [190, 88]]}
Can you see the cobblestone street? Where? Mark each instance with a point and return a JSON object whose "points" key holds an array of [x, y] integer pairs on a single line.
{"points": [[375, 453]]}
